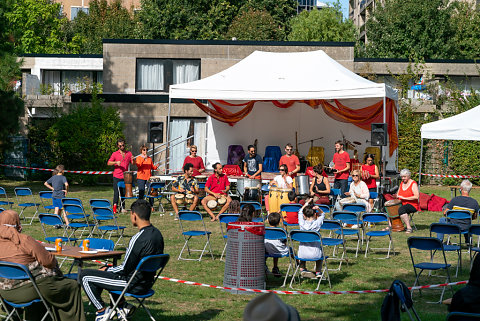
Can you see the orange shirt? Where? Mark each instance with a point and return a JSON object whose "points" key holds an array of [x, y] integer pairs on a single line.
{"points": [[291, 162], [144, 167], [408, 193]]}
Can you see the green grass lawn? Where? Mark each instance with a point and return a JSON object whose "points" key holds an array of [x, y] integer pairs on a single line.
{"points": [[174, 301]]}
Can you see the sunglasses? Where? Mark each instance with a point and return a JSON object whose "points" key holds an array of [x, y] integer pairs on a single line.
{"points": [[283, 170], [289, 149], [193, 151], [354, 175]]}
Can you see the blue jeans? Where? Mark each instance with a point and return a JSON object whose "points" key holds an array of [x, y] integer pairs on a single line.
{"points": [[341, 184]]}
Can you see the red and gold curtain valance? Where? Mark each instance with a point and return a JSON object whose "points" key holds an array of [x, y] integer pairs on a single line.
{"points": [[362, 118]]}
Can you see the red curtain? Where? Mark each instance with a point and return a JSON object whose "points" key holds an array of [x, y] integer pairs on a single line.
{"points": [[362, 118]]}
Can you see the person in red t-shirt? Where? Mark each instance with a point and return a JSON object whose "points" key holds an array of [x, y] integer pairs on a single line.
{"points": [[369, 175], [195, 160], [291, 160], [217, 186], [120, 160], [341, 159]]}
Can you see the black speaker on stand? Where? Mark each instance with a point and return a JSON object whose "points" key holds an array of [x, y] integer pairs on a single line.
{"points": [[379, 137], [155, 135]]}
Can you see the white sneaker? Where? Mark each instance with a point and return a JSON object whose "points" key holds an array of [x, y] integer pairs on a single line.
{"points": [[127, 310], [102, 316]]}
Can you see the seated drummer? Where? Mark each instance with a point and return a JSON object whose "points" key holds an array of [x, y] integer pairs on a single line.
{"points": [[185, 184], [320, 187], [281, 181], [217, 186], [253, 164], [196, 161]]}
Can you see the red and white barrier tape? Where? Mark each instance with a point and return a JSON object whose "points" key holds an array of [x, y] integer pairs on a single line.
{"points": [[301, 292], [66, 171], [453, 176]]}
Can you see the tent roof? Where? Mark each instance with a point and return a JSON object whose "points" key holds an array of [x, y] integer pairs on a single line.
{"points": [[464, 126], [283, 76]]}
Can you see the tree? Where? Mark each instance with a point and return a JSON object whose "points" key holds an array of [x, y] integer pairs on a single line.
{"points": [[254, 25], [36, 26], [322, 25], [411, 29], [103, 21], [466, 20]]}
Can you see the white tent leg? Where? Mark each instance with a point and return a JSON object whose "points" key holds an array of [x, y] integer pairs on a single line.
{"points": [[167, 127], [420, 165]]}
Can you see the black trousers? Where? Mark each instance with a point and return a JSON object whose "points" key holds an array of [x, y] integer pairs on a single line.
{"points": [[115, 191], [95, 281], [406, 209]]}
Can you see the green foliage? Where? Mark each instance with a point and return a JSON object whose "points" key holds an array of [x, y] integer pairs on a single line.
{"points": [[84, 138], [466, 20], [411, 29], [254, 25], [36, 26], [12, 108], [322, 25], [104, 21]]}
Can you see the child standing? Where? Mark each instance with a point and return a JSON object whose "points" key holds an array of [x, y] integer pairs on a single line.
{"points": [[59, 185], [310, 218], [275, 247]]}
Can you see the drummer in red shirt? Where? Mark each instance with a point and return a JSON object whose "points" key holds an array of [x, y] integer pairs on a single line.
{"points": [[196, 161], [408, 193], [369, 175], [291, 160], [217, 186], [341, 159]]}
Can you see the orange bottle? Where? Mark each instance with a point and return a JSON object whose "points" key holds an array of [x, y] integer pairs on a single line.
{"points": [[58, 245], [86, 245]]}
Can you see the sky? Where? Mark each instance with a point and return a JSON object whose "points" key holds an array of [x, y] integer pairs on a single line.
{"points": [[344, 4]]}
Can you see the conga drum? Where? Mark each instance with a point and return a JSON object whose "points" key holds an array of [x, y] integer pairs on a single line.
{"points": [[201, 179], [189, 198], [179, 199], [128, 179], [252, 194], [222, 201], [277, 197], [212, 204], [392, 207]]}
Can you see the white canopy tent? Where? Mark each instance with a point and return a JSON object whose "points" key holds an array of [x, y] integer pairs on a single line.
{"points": [[269, 76], [464, 126]]}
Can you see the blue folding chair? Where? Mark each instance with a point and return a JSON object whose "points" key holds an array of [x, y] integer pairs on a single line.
{"points": [[159, 186], [54, 223], [78, 219], [46, 200], [474, 230], [334, 196], [430, 244], [375, 219], [193, 216], [325, 208], [349, 218], [463, 316], [226, 218], [1, 209], [102, 215], [6, 201], [279, 234], [152, 265], [449, 229], [99, 202], [460, 215], [258, 207], [376, 201], [335, 229], [26, 200], [294, 207], [120, 186], [15, 271], [309, 237]]}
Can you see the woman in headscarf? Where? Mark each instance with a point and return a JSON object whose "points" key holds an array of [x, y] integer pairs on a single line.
{"points": [[467, 299], [63, 295]]}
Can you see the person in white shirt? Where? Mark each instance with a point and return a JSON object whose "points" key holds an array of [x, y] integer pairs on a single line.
{"points": [[359, 190], [281, 181], [310, 218]]}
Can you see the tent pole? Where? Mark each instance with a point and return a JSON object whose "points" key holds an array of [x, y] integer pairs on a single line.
{"points": [[420, 165], [384, 152], [167, 151]]}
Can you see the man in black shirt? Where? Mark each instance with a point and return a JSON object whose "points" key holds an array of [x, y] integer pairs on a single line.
{"points": [[148, 241], [463, 202]]}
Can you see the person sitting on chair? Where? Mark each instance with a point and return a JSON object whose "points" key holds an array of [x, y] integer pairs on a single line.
{"points": [[467, 299], [148, 241], [320, 187], [216, 187], [185, 184], [61, 294], [253, 165], [463, 202], [281, 181], [408, 193], [359, 190]]}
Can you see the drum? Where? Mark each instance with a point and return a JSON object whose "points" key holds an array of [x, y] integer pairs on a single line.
{"points": [[347, 200], [277, 197], [155, 179], [201, 190], [189, 198], [212, 204], [392, 207], [302, 185], [222, 201], [242, 183], [365, 175], [179, 199], [252, 194], [355, 165], [128, 179]]}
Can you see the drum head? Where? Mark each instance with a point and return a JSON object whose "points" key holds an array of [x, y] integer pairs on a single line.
{"points": [[211, 204], [222, 201], [393, 202], [190, 196], [179, 196]]}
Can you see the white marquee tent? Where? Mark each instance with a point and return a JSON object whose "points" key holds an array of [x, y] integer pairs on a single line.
{"points": [[267, 76], [464, 126]]}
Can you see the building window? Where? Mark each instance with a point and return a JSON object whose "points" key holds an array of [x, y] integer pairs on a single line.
{"points": [[159, 74], [75, 10], [61, 82]]}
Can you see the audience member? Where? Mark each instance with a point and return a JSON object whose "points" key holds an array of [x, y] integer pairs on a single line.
{"points": [[246, 213], [59, 186], [291, 217], [62, 294], [275, 247], [234, 207], [269, 307], [467, 299]]}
